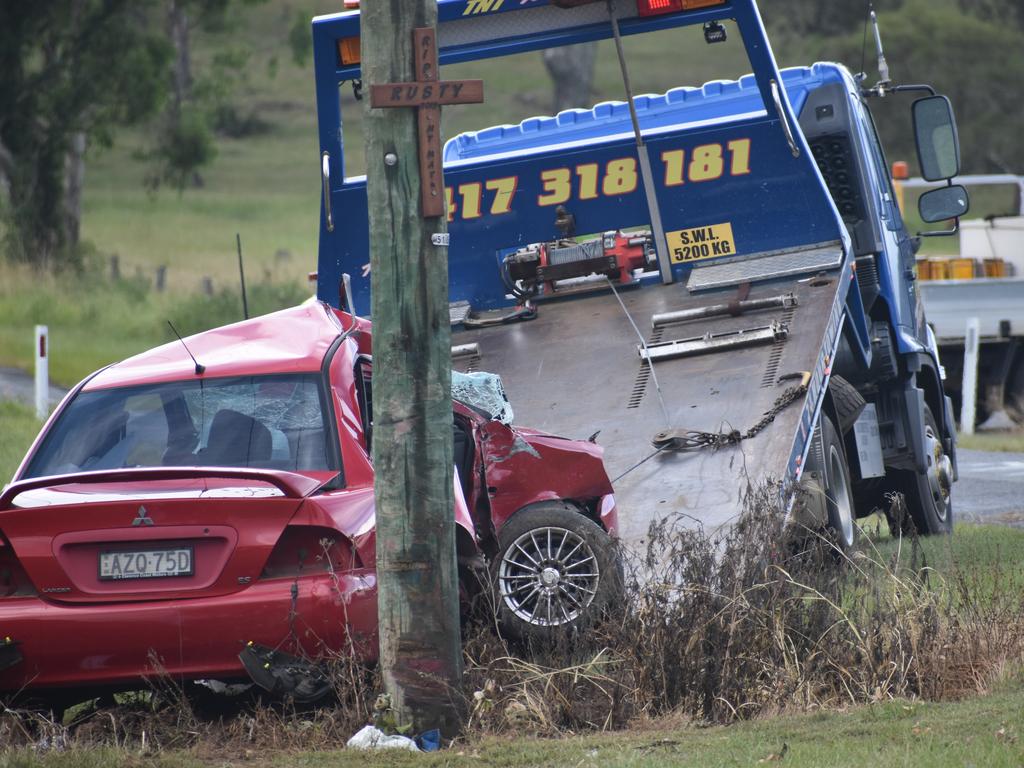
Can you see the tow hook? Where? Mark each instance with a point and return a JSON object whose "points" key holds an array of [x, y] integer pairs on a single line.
{"points": [[283, 674], [10, 654]]}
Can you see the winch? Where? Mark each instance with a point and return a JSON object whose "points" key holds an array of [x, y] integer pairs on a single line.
{"points": [[615, 254]]}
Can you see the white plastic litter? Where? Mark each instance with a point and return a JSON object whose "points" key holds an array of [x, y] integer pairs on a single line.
{"points": [[483, 391], [370, 737]]}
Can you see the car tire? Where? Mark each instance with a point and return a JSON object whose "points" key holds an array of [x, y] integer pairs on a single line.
{"points": [[928, 495], [835, 473], [555, 571]]}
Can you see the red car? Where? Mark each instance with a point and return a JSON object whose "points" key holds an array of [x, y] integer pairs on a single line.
{"points": [[174, 511]]}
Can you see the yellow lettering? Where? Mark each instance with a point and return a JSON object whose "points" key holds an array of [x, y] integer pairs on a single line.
{"points": [[619, 177], [504, 189], [481, 6], [740, 151], [673, 160], [557, 186], [707, 162], [588, 180], [470, 194]]}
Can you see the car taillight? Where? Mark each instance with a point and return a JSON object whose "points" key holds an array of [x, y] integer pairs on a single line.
{"points": [[308, 549], [658, 7], [14, 582]]}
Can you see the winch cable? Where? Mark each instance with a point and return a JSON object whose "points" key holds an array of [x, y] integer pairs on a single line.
{"points": [[646, 175], [644, 460], [643, 344]]}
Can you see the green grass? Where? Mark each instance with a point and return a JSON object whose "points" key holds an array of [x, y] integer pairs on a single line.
{"points": [[979, 732], [992, 441], [94, 321], [18, 428], [972, 566]]}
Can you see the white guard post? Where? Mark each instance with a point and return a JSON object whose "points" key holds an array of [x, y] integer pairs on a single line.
{"points": [[42, 372], [970, 382]]}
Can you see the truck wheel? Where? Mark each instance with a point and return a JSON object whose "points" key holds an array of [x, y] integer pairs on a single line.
{"points": [[1014, 398], [838, 493], [555, 570], [928, 494]]}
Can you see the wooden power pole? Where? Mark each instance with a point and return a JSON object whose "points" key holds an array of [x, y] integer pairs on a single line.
{"points": [[417, 578]]}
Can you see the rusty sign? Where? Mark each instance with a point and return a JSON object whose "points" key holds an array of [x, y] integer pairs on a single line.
{"points": [[427, 94]]}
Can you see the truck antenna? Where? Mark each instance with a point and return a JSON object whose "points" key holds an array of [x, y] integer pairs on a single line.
{"points": [[200, 368], [883, 67]]}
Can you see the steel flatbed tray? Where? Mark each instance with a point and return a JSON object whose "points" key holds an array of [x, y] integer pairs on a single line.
{"points": [[575, 370]]}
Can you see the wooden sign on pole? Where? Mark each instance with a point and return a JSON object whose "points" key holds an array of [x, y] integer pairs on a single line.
{"points": [[427, 94]]}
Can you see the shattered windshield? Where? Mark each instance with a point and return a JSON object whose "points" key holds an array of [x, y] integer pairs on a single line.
{"points": [[264, 422]]}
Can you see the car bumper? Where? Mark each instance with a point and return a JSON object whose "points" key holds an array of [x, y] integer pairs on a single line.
{"points": [[118, 644]]}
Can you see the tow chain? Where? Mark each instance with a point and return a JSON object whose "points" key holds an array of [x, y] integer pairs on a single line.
{"points": [[694, 440]]}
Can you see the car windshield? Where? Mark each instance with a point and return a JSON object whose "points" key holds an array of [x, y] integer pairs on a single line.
{"points": [[265, 422]]}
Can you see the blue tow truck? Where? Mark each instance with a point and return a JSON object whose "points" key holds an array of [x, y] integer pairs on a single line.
{"points": [[716, 281]]}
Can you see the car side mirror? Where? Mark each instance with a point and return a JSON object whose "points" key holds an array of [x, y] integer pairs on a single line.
{"points": [[938, 146], [943, 203]]}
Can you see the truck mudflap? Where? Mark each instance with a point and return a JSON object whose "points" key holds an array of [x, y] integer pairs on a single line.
{"points": [[693, 415]]}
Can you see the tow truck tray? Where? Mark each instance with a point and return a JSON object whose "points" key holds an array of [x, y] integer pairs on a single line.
{"points": [[575, 370]]}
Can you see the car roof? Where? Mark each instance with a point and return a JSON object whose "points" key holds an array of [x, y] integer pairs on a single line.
{"points": [[293, 340]]}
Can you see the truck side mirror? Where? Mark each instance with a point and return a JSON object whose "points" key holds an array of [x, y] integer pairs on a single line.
{"points": [[943, 203], [938, 147]]}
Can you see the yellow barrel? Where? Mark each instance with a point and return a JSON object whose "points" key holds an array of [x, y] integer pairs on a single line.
{"points": [[961, 269], [995, 268], [924, 270], [939, 268]]}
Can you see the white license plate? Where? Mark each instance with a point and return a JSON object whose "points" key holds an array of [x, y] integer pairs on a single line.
{"points": [[146, 564]]}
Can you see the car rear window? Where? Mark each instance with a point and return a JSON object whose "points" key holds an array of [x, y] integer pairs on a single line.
{"points": [[264, 422]]}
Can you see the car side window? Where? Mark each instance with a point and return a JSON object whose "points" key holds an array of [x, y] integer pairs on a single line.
{"points": [[364, 395]]}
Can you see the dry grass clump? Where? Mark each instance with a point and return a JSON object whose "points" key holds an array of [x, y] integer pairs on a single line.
{"points": [[760, 618]]}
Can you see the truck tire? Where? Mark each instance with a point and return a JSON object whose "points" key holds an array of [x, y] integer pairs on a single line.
{"points": [[1014, 397], [838, 490], [928, 494], [555, 571], [848, 402]]}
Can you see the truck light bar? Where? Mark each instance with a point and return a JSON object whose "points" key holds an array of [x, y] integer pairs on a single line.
{"points": [[658, 7]]}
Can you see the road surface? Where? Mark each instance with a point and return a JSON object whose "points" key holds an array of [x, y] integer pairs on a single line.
{"points": [[990, 489], [15, 384]]}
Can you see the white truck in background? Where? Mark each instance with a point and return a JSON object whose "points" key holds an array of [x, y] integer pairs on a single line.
{"points": [[986, 281]]}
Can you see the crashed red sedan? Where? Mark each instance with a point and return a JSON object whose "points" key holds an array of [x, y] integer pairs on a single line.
{"points": [[175, 512]]}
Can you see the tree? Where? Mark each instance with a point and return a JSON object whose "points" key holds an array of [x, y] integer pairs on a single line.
{"points": [[571, 68], [73, 71], [972, 56], [198, 104]]}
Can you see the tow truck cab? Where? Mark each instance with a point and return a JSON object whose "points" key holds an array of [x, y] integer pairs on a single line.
{"points": [[772, 333]]}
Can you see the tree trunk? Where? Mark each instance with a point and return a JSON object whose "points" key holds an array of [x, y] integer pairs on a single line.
{"points": [[73, 181], [417, 576], [181, 70], [572, 71]]}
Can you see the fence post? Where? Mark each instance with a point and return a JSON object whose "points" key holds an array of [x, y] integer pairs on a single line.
{"points": [[969, 387], [42, 372]]}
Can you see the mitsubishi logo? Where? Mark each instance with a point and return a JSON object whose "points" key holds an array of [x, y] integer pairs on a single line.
{"points": [[143, 518]]}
